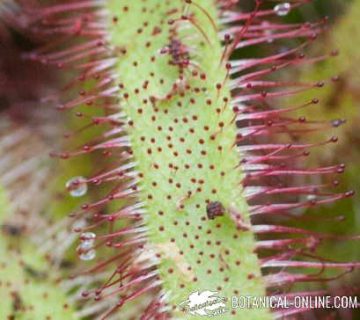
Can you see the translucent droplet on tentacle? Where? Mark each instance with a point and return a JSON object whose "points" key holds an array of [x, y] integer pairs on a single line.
{"points": [[88, 236], [87, 240], [88, 255], [282, 9], [77, 186], [311, 197]]}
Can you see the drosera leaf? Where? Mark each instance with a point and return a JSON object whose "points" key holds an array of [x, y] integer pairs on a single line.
{"points": [[184, 147]]}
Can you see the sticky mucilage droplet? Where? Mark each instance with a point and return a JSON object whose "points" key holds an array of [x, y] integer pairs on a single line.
{"points": [[86, 249], [87, 240], [282, 9], [88, 236], [88, 255], [77, 187]]}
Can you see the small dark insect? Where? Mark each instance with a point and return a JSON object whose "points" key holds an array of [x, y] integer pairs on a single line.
{"points": [[178, 52], [214, 209]]}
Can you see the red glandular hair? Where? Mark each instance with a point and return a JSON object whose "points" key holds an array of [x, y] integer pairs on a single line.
{"points": [[269, 140]]}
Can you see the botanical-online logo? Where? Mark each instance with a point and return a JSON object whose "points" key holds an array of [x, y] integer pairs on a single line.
{"points": [[205, 303]]}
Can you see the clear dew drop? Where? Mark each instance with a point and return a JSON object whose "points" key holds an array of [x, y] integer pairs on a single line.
{"points": [[88, 255], [77, 187], [78, 224], [311, 197], [88, 236], [87, 240], [86, 245], [337, 122], [282, 9]]}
